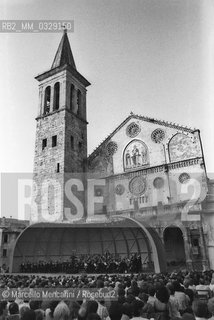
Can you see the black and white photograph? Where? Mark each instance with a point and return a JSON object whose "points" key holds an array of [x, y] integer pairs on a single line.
{"points": [[106, 167]]}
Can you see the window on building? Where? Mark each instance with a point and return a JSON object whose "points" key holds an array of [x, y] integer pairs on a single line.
{"points": [[58, 168], [5, 239], [54, 141], [56, 96], [47, 100], [195, 242], [4, 253], [79, 102], [44, 143], [72, 97], [72, 142], [80, 146]]}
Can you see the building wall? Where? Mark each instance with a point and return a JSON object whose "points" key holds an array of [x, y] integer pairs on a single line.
{"points": [[9, 231], [208, 222], [162, 186]]}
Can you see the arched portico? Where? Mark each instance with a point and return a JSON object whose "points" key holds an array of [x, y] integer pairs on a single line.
{"points": [[174, 245], [122, 237]]}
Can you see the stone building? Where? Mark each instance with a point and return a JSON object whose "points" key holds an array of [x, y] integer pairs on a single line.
{"points": [[207, 216], [155, 172], [9, 231], [150, 190]]}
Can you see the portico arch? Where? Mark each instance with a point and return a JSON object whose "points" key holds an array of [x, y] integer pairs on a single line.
{"points": [[174, 246]]}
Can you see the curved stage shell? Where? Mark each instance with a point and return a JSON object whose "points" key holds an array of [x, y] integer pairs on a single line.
{"points": [[44, 241]]}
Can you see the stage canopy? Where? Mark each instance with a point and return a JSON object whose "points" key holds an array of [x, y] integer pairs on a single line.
{"points": [[59, 241]]}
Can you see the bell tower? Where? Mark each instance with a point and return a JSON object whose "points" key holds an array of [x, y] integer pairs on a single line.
{"points": [[61, 132]]}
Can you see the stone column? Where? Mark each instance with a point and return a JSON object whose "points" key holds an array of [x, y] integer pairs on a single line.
{"points": [[203, 249], [208, 229], [187, 248], [83, 106], [63, 91], [41, 102], [74, 98], [11, 245], [52, 98], [160, 231]]}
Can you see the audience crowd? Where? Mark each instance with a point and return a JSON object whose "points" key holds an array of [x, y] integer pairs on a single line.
{"points": [[182, 295]]}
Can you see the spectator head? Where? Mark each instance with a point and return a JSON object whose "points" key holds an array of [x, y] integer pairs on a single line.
{"points": [[115, 311], [93, 316], [14, 308], [200, 309], [61, 311], [74, 308], [22, 310], [121, 292], [100, 283], [35, 304], [129, 291], [135, 291], [52, 307], [39, 314], [137, 306], [151, 291], [91, 307], [133, 283], [127, 309], [3, 308], [211, 306], [82, 312], [176, 286], [171, 288], [188, 316], [130, 298], [162, 294], [121, 299], [186, 283], [29, 315]]}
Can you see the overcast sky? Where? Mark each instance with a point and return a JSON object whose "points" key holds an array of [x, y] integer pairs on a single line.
{"points": [[152, 57]]}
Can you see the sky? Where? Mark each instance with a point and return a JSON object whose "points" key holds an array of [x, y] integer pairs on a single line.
{"points": [[152, 57]]}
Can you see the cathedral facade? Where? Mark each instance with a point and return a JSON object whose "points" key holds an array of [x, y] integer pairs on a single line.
{"points": [[155, 172]]}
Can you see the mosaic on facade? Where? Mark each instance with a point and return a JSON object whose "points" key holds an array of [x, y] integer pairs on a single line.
{"points": [[183, 147], [135, 155]]}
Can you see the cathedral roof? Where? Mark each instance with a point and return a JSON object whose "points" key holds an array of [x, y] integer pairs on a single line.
{"points": [[139, 117], [64, 54]]}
